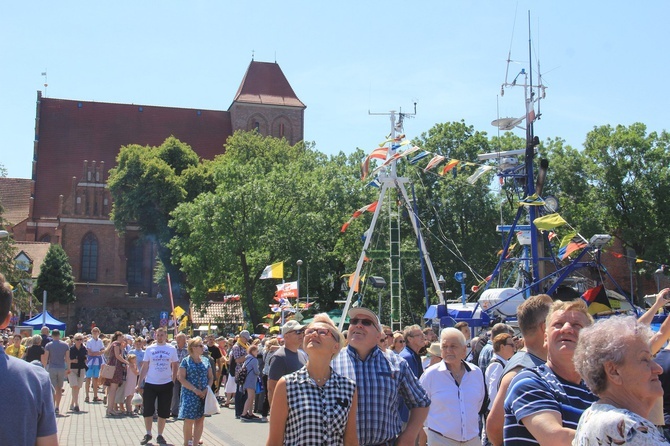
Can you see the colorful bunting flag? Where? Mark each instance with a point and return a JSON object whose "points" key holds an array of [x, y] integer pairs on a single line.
{"points": [[450, 165], [437, 159], [569, 244], [597, 300], [274, 271], [481, 170], [369, 208], [417, 158], [550, 221]]}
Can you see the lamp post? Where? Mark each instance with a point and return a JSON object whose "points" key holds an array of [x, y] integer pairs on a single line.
{"points": [[442, 283], [657, 276], [460, 278], [299, 263]]}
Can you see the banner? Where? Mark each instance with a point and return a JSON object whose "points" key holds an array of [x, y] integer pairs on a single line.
{"points": [[286, 290]]}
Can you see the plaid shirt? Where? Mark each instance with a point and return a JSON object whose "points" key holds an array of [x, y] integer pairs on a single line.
{"points": [[381, 379], [317, 415]]}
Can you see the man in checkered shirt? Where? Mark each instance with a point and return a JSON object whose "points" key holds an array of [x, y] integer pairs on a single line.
{"points": [[381, 379]]}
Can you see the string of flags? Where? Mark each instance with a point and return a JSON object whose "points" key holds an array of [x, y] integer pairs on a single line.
{"points": [[368, 208], [414, 154]]}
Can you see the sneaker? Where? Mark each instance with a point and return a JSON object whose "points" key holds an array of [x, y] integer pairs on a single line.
{"points": [[146, 439], [254, 417], [264, 420], [160, 440], [76, 408], [245, 419], [56, 410]]}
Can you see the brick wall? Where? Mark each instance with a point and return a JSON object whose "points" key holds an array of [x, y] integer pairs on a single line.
{"points": [[269, 118]]}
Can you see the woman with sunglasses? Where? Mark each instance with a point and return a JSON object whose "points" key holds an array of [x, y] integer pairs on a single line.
{"points": [[77, 368], [195, 375], [398, 343], [315, 403]]}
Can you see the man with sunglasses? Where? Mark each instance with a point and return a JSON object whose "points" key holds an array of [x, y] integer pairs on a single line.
{"points": [[289, 358], [382, 378]]}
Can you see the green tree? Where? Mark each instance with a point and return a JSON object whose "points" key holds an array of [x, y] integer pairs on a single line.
{"points": [[149, 182], [56, 276], [273, 202]]}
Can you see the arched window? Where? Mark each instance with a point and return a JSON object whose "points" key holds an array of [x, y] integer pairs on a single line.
{"points": [[135, 261], [46, 238], [89, 259]]}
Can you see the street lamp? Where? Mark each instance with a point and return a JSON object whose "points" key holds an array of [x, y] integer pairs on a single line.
{"points": [[657, 276], [299, 263], [442, 283], [460, 278]]}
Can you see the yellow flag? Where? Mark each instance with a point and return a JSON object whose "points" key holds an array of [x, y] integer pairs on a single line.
{"points": [[178, 311], [274, 271], [550, 221]]}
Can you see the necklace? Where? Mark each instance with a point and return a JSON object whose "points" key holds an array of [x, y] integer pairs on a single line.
{"points": [[319, 380]]}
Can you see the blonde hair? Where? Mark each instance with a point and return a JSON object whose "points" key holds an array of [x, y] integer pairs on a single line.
{"points": [[191, 342]]}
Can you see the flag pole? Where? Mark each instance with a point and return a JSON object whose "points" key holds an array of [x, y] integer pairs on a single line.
{"points": [[174, 319]]}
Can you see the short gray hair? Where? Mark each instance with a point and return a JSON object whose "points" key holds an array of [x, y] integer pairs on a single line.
{"points": [[451, 331], [608, 340]]}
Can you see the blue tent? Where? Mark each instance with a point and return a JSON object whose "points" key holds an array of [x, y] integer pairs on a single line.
{"points": [[51, 322]]}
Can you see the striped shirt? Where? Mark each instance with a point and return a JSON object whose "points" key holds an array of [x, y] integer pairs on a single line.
{"points": [[317, 415], [381, 378], [537, 390]]}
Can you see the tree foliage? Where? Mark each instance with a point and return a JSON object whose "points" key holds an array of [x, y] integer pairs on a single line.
{"points": [[150, 182], [273, 202], [56, 276]]}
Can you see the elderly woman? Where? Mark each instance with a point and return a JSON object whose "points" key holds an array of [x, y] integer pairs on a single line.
{"points": [[195, 375], [315, 405], [453, 383], [614, 358]]}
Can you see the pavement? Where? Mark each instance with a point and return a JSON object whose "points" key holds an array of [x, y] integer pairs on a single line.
{"points": [[91, 427]]}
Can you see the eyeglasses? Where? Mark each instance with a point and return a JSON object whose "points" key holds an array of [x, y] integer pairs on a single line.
{"points": [[400, 341], [364, 322], [298, 332], [389, 335], [320, 331], [78, 339]]}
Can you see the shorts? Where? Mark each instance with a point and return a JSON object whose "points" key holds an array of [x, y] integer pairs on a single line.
{"points": [[162, 392], [93, 371], [57, 377], [76, 377]]}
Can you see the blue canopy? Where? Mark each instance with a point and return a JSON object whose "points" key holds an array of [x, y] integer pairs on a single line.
{"points": [[50, 321]]}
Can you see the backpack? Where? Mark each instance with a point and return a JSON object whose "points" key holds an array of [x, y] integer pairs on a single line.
{"points": [[477, 349], [241, 374]]}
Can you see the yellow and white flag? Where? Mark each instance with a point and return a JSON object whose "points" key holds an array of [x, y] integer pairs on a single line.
{"points": [[274, 271]]}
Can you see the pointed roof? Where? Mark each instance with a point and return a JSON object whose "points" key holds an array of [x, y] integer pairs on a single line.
{"points": [[35, 251], [265, 83], [15, 199]]}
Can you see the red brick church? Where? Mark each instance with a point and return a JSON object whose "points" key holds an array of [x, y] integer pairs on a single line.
{"points": [[76, 143]]}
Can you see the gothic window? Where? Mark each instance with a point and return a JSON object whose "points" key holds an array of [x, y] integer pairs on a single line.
{"points": [[89, 258], [134, 264], [257, 126], [281, 130]]}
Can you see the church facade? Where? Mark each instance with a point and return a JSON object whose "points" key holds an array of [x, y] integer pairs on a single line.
{"points": [[76, 143]]}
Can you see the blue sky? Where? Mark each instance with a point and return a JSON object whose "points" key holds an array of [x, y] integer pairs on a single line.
{"points": [[604, 62]]}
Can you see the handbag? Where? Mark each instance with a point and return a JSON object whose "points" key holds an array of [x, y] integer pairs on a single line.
{"points": [[259, 385], [211, 404], [107, 371]]}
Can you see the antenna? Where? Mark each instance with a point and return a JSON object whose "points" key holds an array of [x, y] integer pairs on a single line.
{"points": [[252, 55], [44, 73], [396, 125]]}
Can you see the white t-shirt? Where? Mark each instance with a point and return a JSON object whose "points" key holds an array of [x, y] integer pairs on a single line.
{"points": [[93, 346], [160, 359]]}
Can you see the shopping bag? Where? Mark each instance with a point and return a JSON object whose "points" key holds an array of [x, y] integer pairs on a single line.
{"points": [[137, 399], [107, 371], [211, 404]]}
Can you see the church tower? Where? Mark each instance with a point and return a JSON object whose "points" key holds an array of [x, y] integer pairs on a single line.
{"points": [[266, 102]]}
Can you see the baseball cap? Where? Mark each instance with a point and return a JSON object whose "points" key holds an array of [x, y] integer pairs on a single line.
{"points": [[291, 326], [245, 334], [360, 311]]}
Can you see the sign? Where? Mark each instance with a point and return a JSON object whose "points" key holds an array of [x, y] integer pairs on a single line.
{"points": [[164, 319]]}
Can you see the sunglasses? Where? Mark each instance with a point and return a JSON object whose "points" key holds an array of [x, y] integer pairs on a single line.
{"points": [[78, 339], [364, 322], [298, 332], [320, 331], [400, 341]]}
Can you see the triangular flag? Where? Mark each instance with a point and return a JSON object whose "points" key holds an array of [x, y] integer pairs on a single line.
{"points": [[450, 165], [274, 271], [417, 158], [370, 208], [596, 299], [569, 244], [547, 222], [478, 173], [437, 159]]}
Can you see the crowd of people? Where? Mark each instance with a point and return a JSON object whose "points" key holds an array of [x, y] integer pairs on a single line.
{"points": [[558, 378]]}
